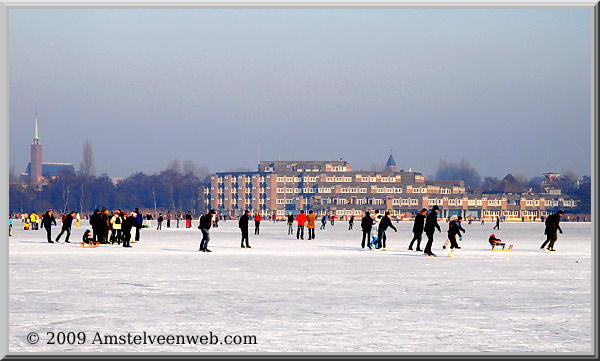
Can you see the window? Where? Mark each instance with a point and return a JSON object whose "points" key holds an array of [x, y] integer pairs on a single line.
{"points": [[362, 190], [280, 190], [289, 201], [397, 190], [413, 201], [329, 179], [416, 190], [289, 179], [280, 179], [347, 179], [281, 201]]}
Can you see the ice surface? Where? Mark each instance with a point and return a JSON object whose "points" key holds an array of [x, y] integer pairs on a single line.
{"points": [[324, 295]]}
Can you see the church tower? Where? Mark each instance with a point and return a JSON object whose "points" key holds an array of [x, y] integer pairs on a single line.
{"points": [[390, 166], [35, 173]]}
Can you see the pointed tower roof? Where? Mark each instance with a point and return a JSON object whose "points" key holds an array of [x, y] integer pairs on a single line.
{"points": [[390, 161]]}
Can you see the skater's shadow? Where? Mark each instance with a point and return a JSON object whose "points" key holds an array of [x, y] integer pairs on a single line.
{"points": [[180, 250]]}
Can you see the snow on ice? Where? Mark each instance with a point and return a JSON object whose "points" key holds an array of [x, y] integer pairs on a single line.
{"points": [[324, 295]]}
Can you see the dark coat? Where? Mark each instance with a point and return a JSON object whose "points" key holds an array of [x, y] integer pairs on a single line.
{"points": [[552, 224], [128, 223], [385, 223], [431, 223], [48, 220], [454, 228], [290, 218], [66, 224], [243, 223], [419, 222], [206, 221], [366, 224], [96, 221]]}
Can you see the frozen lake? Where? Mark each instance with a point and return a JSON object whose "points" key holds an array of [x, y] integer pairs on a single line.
{"points": [[324, 295]]}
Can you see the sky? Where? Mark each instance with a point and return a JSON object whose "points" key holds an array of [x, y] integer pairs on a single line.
{"points": [[509, 90]]}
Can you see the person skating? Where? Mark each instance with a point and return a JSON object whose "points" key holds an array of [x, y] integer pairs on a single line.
{"points": [[290, 222], [204, 226], [78, 217], [323, 222], [149, 219], [301, 219], [454, 228], [351, 223], [179, 217], [311, 224], [383, 226], [431, 224], [497, 226], [552, 225], [168, 219], [257, 219], [10, 224], [160, 220], [418, 230], [366, 224], [47, 221], [66, 227], [243, 224]]}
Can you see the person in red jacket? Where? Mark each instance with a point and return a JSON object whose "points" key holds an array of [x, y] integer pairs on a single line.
{"points": [[257, 219], [301, 219]]}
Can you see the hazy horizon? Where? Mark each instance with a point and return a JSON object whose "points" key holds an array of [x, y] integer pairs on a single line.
{"points": [[509, 90]]}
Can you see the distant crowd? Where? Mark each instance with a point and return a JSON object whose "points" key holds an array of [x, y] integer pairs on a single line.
{"points": [[110, 227]]}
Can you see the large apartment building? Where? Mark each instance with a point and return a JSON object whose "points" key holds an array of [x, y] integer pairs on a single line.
{"points": [[332, 187]]}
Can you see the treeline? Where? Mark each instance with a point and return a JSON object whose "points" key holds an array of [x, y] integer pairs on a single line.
{"points": [[568, 182], [170, 189]]}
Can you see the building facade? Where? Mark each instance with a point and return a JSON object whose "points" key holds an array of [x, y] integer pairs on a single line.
{"points": [[333, 188]]}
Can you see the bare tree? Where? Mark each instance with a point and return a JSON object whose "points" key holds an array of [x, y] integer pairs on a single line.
{"points": [[175, 166], [376, 167], [12, 176], [462, 170], [521, 178], [199, 171], [87, 165]]}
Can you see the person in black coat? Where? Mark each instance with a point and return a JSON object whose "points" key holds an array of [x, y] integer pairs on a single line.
{"points": [[243, 224], [204, 226], [351, 223], [97, 226], [454, 228], [366, 224], [129, 222], [418, 230], [290, 222], [552, 225], [66, 227], [47, 221], [430, 226], [383, 226]]}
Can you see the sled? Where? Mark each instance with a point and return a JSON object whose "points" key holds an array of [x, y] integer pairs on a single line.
{"points": [[510, 246], [88, 245]]}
